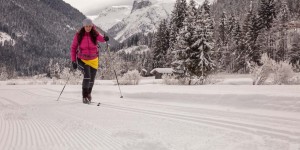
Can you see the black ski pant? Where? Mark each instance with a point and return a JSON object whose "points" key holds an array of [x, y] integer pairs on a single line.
{"points": [[89, 75]]}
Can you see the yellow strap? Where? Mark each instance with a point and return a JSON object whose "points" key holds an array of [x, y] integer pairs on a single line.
{"points": [[93, 63]]}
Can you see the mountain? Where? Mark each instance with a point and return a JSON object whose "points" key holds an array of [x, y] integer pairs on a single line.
{"points": [[140, 4], [144, 18], [111, 16], [42, 30], [35, 32]]}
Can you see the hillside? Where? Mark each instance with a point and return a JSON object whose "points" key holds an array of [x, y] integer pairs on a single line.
{"points": [[41, 30]]}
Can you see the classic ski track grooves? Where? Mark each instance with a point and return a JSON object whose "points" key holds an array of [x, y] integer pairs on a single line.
{"points": [[105, 137], [36, 132], [282, 134], [10, 101]]}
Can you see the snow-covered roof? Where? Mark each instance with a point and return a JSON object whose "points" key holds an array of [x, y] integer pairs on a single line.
{"points": [[162, 70]]}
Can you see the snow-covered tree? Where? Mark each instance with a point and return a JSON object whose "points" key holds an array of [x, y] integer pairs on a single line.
{"points": [[266, 13], [183, 47], [295, 56], [261, 73], [176, 23], [282, 29], [130, 78], [223, 52], [54, 69], [251, 31], [3, 74], [231, 24], [202, 65], [223, 29], [239, 49], [161, 45], [283, 73]]}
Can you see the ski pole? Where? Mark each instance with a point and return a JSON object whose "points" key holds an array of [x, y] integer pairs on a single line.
{"points": [[108, 50], [64, 85], [63, 88]]}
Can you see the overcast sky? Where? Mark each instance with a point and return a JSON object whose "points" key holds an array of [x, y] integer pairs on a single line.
{"points": [[92, 7]]}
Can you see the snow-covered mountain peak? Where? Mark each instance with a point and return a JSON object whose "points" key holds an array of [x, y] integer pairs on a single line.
{"points": [[142, 17], [111, 16], [144, 20], [139, 4]]}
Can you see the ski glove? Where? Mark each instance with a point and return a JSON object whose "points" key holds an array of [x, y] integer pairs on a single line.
{"points": [[106, 38], [74, 64]]}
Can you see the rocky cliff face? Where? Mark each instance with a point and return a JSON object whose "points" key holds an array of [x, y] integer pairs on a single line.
{"points": [[139, 4], [144, 18]]}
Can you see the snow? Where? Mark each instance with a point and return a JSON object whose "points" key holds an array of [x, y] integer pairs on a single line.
{"points": [[93, 17], [69, 27], [4, 37], [137, 49], [151, 116], [162, 70], [110, 16], [143, 20]]}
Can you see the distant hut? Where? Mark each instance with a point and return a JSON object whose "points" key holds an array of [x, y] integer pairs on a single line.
{"points": [[159, 72]]}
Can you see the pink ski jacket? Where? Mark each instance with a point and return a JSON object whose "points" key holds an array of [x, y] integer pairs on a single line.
{"points": [[87, 49]]}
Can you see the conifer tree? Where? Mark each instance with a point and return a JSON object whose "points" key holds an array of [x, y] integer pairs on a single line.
{"points": [[184, 43], [232, 22], [161, 45], [282, 20], [223, 29], [223, 39], [251, 31], [295, 56], [265, 22], [266, 13], [176, 23], [239, 62], [204, 43]]}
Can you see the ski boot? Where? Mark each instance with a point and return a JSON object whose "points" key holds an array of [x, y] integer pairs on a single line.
{"points": [[85, 94], [89, 96]]}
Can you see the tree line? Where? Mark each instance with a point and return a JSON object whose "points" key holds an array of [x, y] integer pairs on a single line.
{"points": [[200, 39]]}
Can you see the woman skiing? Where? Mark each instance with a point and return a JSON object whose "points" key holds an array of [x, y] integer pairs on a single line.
{"points": [[84, 56]]}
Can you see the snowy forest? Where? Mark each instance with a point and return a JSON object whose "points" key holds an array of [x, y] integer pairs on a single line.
{"points": [[226, 36]]}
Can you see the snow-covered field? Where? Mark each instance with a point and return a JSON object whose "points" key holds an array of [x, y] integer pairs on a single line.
{"points": [[151, 116]]}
